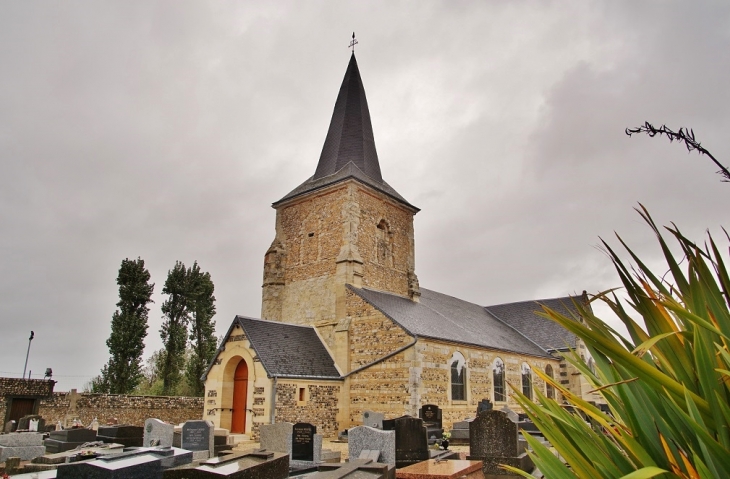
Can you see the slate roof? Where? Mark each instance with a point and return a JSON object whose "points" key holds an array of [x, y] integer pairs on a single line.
{"points": [[288, 350], [349, 148], [439, 316], [548, 334]]}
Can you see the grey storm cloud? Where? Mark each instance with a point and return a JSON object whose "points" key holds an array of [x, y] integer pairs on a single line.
{"points": [[165, 130]]}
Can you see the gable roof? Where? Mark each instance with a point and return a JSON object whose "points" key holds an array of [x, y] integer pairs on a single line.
{"points": [[288, 350], [349, 148], [548, 334], [442, 317]]}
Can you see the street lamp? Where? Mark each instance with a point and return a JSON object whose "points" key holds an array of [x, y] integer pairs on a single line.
{"points": [[26, 354]]}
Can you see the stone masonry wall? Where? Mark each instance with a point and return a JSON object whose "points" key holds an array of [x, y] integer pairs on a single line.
{"points": [[319, 407], [26, 388], [434, 382], [372, 334], [387, 253], [134, 410], [311, 234], [383, 387]]}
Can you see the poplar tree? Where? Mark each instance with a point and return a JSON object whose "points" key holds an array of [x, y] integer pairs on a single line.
{"points": [[123, 371], [201, 303], [174, 331]]}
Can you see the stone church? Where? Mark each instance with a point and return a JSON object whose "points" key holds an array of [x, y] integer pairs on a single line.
{"points": [[345, 326]]}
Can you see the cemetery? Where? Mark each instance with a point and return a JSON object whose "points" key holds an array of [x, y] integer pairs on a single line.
{"points": [[413, 384], [380, 447]]}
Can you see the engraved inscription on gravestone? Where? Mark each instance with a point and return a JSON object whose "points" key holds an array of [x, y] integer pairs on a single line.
{"points": [[196, 435], [303, 442]]}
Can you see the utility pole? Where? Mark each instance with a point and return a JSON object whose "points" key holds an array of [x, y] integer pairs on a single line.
{"points": [[28, 353]]}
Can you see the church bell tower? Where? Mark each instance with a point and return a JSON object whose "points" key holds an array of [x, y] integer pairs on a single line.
{"points": [[344, 225]]}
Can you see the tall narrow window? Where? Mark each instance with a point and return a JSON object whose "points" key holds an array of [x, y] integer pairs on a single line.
{"points": [[384, 244], [549, 389], [526, 380], [458, 377], [498, 377]]}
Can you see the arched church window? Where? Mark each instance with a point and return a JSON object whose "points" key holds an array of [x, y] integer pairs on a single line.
{"points": [[384, 244], [498, 377], [458, 377], [526, 380], [549, 389]]}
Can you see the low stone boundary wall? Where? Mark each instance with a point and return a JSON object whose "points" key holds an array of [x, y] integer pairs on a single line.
{"points": [[134, 410]]}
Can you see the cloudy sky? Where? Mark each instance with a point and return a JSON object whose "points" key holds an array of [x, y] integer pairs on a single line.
{"points": [[164, 130]]}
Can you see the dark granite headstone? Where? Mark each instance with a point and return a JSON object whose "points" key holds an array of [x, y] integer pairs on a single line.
{"points": [[302, 444], [411, 442], [494, 438], [255, 464], [197, 436], [460, 432], [130, 436], [67, 439], [431, 415], [24, 423], [484, 405]]}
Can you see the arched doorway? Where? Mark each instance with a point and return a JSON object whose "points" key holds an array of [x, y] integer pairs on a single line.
{"points": [[240, 393]]}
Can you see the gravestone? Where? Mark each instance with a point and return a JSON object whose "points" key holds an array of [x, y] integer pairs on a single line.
{"points": [[364, 438], [10, 426], [302, 447], [157, 433], [513, 416], [494, 439], [139, 463], [354, 469], [276, 437], [411, 442], [197, 436], [25, 423], [63, 457], [25, 445], [484, 405], [373, 419], [431, 415], [460, 432], [253, 464], [130, 436], [67, 439]]}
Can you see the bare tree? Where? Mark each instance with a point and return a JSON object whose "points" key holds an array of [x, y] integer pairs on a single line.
{"points": [[684, 135]]}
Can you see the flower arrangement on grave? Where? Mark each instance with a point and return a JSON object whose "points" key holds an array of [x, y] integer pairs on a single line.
{"points": [[445, 440]]}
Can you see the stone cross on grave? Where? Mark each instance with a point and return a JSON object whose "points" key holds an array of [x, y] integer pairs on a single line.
{"points": [[353, 42]]}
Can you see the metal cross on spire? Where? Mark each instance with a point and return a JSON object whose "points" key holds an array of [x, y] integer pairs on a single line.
{"points": [[353, 42]]}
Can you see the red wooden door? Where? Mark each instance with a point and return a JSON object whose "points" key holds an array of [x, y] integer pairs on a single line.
{"points": [[240, 393]]}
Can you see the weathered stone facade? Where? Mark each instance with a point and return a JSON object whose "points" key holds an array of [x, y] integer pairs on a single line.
{"points": [[313, 402], [348, 233]]}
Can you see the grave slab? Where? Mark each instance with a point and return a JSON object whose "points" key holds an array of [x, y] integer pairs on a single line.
{"points": [[355, 469], [252, 464], [21, 439], [25, 453], [442, 470]]}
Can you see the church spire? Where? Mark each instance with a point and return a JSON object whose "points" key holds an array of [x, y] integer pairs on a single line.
{"points": [[349, 148], [350, 135]]}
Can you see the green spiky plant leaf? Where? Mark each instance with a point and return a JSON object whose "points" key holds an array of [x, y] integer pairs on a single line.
{"points": [[667, 385]]}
